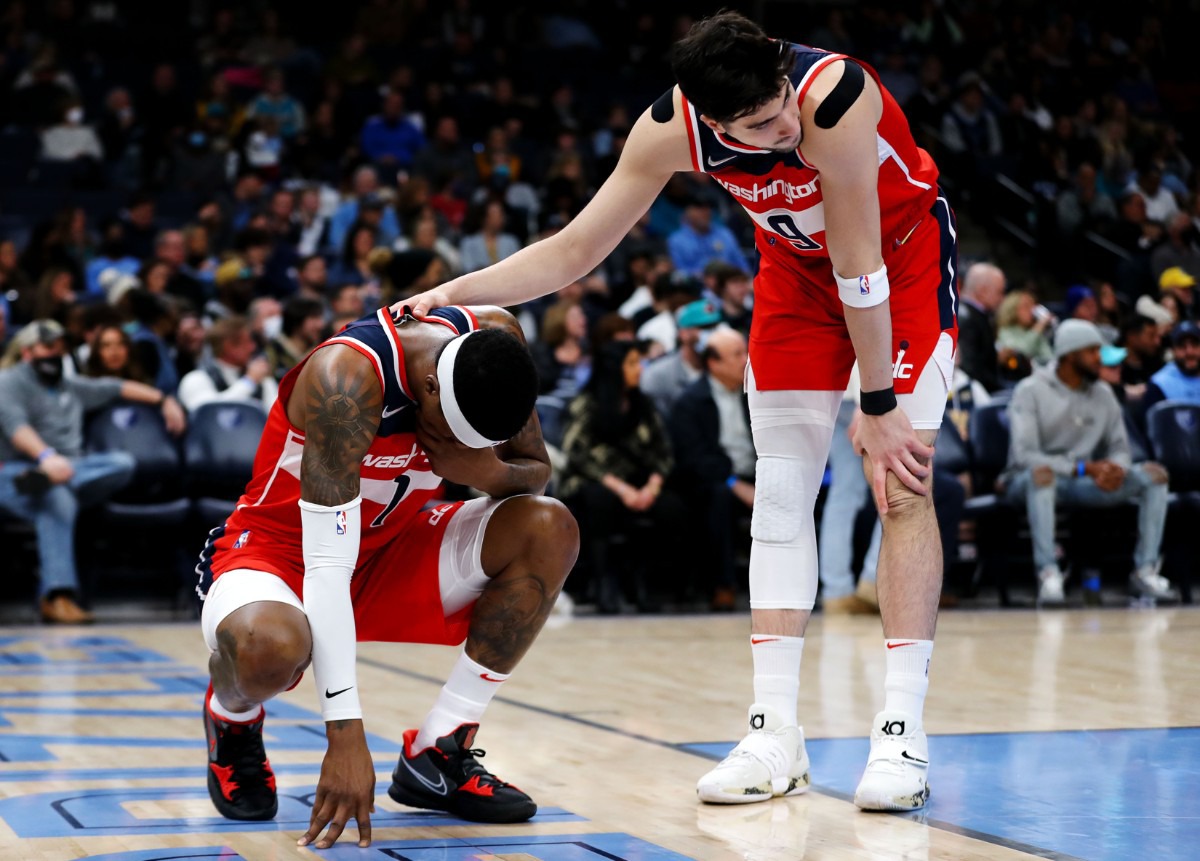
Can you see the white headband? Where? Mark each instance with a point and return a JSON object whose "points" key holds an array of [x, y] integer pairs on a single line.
{"points": [[462, 429]]}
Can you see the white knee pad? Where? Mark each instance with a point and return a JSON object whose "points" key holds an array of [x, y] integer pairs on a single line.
{"points": [[792, 430], [783, 555], [780, 500]]}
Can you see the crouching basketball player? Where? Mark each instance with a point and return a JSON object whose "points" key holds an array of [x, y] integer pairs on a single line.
{"points": [[332, 543]]}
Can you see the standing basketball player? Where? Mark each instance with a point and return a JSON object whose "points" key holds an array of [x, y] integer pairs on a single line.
{"points": [[858, 261], [332, 542]]}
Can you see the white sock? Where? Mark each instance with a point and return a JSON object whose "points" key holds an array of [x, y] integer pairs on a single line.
{"points": [[777, 673], [224, 713], [462, 699], [907, 678]]}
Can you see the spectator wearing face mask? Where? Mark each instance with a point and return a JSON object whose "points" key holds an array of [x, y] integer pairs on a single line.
{"points": [[45, 476], [303, 327], [71, 139]]}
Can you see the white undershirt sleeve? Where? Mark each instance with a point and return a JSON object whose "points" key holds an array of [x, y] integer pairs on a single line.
{"points": [[331, 536]]}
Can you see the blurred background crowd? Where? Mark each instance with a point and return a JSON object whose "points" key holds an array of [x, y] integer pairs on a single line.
{"points": [[198, 193]]}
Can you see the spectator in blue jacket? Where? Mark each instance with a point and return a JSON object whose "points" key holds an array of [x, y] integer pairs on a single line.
{"points": [[363, 195], [699, 241], [1178, 380], [390, 138]]}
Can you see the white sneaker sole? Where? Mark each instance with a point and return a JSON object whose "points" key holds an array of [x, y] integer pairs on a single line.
{"points": [[876, 800], [780, 787]]}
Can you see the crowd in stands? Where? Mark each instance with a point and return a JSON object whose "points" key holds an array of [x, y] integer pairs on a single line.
{"points": [[198, 194]]}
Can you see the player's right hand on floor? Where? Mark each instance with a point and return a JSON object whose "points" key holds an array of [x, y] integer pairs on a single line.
{"points": [[345, 791]]}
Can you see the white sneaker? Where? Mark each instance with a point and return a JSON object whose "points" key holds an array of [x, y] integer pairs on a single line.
{"points": [[895, 778], [1050, 586], [770, 761], [1146, 582]]}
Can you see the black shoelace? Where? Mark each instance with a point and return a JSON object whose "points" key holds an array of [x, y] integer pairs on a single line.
{"points": [[471, 768]]}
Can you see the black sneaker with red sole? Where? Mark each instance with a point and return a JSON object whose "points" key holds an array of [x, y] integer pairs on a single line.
{"points": [[449, 777], [240, 780]]}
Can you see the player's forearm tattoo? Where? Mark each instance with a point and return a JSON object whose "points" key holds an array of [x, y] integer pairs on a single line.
{"points": [[342, 403], [507, 618]]}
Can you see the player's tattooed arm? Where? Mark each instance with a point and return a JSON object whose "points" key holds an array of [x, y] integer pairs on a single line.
{"points": [[342, 405]]}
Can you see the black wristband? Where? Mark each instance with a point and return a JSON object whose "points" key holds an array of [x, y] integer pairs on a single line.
{"points": [[878, 403]]}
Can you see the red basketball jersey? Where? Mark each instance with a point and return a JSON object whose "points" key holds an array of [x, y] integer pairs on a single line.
{"points": [[781, 192], [264, 532]]}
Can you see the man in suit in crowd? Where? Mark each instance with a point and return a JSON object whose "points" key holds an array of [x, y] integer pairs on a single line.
{"points": [[715, 457]]}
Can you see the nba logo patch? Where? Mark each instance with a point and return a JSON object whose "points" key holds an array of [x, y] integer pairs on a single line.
{"points": [[864, 285], [341, 522], [242, 540]]}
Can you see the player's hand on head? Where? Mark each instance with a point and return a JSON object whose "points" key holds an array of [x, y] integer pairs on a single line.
{"points": [[893, 446], [453, 461], [345, 791]]}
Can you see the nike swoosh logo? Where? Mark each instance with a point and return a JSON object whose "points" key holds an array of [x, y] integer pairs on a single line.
{"points": [[899, 645], [440, 787], [712, 163], [389, 413], [904, 753], [330, 696], [754, 641], [488, 678]]}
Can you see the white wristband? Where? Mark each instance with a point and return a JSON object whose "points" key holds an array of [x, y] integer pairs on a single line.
{"points": [[331, 537], [864, 291]]}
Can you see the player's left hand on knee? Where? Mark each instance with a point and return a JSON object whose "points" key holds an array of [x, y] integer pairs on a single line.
{"points": [[892, 445]]}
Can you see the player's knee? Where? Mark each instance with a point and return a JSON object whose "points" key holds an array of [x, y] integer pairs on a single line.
{"points": [[267, 648], [784, 497], [904, 503], [552, 530]]}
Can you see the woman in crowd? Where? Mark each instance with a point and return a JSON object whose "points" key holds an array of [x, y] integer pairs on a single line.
{"points": [[112, 355], [618, 456]]}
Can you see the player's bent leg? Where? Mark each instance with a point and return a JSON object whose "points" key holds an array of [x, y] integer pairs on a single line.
{"points": [[530, 545], [514, 557], [909, 584], [260, 645]]}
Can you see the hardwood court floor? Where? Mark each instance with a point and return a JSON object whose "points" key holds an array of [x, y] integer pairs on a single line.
{"points": [[1067, 735]]}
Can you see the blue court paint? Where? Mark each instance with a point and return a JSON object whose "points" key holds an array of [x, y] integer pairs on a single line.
{"points": [[33, 748], [560, 847], [1109, 795], [186, 682], [276, 710], [95, 812], [383, 766], [120, 656], [196, 853], [88, 668]]}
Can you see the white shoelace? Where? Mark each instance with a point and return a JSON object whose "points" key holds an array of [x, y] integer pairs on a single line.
{"points": [[764, 748]]}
